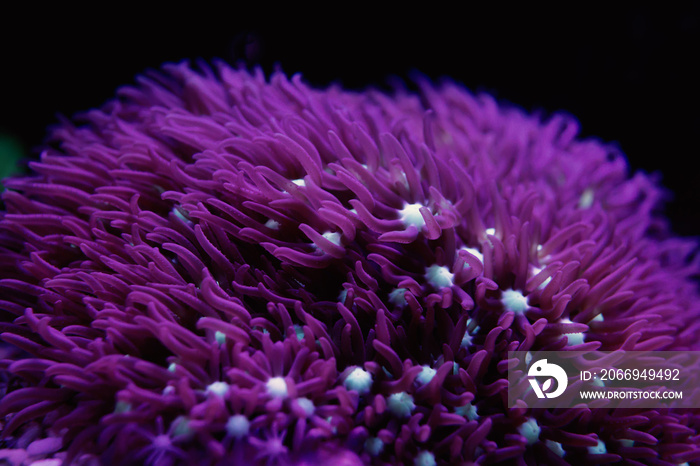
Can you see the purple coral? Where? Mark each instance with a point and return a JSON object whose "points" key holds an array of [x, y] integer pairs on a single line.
{"points": [[214, 268]]}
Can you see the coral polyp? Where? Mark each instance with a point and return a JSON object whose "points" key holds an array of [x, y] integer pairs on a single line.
{"points": [[218, 268]]}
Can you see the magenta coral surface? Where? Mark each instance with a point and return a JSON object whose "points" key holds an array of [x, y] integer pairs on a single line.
{"points": [[215, 268]]}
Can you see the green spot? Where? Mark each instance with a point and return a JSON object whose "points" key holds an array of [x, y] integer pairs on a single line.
{"points": [[10, 154], [299, 332], [122, 407], [374, 446], [468, 411], [181, 214], [181, 426]]}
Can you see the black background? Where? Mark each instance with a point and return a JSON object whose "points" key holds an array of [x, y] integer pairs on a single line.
{"points": [[627, 74]]}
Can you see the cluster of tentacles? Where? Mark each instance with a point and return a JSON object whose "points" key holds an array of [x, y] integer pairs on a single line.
{"points": [[216, 268]]}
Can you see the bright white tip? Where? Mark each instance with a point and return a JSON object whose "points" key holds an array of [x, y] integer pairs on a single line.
{"points": [[307, 405], [404, 179], [358, 380], [342, 296], [178, 213], [400, 404], [425, 458], [374, 446], [466, 339], [598, 318], [426, 375], [528, 357], [598, 449], [410, 215], [398, 297], [572, 339], [277, 387], [474, 252], [514, 300], [332, 237], [530, 430], [172, 367], [556, 448], [597, 382], [299, 182], [238, 426], [535, 271], [220, 337], [169, 390], [491, 231], [218, 388], [625, 442], [586, 199], [272, 224], [439, 276], [468, 411]]}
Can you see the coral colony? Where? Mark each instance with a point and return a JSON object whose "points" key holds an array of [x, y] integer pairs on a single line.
{"points": [[215, 268]]}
